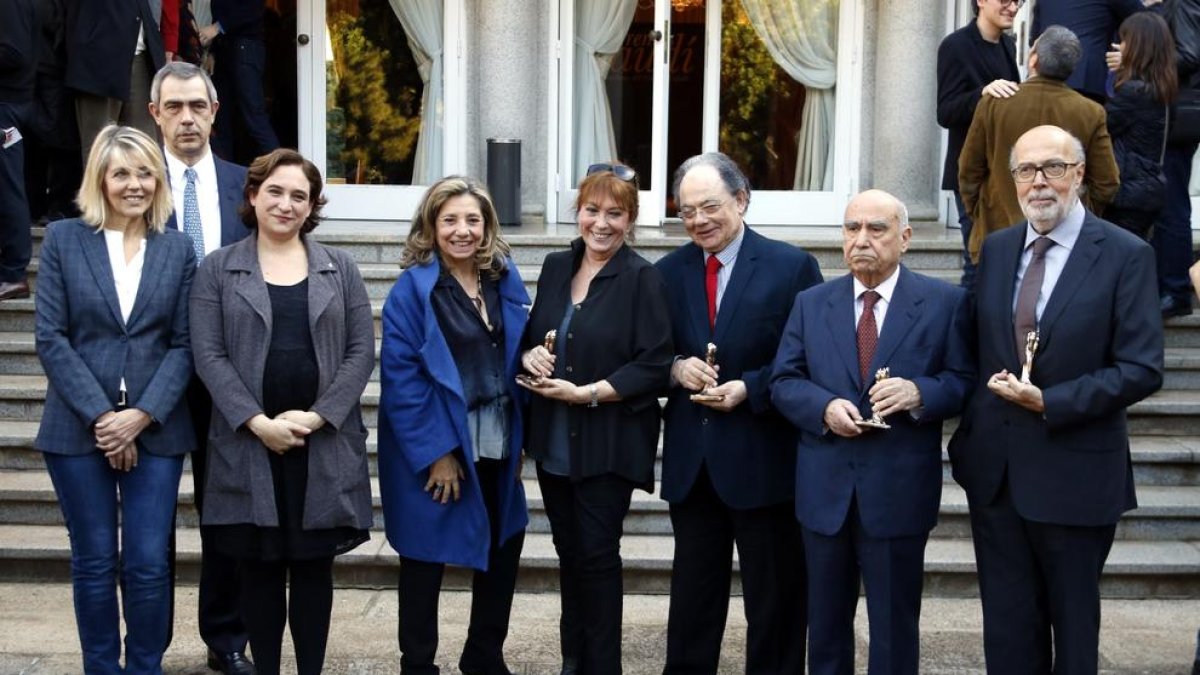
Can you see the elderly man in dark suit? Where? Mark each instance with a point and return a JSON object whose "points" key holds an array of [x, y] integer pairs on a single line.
{"points": [[1044, 98], [727, 464], [207, 192], [1044, 459], [113, 49], [895, 344], [977, 60]]}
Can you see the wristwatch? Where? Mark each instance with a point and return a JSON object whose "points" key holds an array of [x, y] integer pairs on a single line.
{"points": [[595, 402]]}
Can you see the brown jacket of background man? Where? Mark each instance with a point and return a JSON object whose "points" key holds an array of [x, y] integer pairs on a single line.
{"points": [[987, 187]]}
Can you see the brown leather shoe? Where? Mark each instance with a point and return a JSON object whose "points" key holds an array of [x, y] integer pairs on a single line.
{"points": [[12, 290]]}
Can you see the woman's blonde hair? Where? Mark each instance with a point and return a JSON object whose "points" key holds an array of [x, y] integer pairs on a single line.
{"points": [[136, 148], [421, 243]]}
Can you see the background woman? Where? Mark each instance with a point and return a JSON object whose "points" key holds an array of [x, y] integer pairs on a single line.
{"points": [[594, 422], [450, 429], [285, 341], [1146, 83], [115, 352]]}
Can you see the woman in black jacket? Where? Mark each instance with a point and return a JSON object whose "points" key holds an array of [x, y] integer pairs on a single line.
{"points": [[593, 428], [1145, 85]]}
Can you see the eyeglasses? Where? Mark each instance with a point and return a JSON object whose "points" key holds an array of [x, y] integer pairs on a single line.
{"points": [[709, 209], [1052, 169], [621, 171], [1015, 3]]}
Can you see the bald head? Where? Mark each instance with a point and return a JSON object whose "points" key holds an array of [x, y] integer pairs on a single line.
{"points": [[875, 234]]}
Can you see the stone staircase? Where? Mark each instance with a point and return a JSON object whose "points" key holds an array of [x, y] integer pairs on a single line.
{"points": [[1157, 552]]}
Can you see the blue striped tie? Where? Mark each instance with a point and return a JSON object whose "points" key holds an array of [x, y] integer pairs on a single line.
{"points": [[191, 214]]}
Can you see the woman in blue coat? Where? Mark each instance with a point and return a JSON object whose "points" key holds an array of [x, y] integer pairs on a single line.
{"points": [[450, 428]]}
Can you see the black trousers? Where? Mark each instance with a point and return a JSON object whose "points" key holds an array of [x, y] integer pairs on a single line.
{"points": [[491, 596], [16, 241], [238, 75], [890, 569], [219, 614], [1040, 585], [586, 520], [771, 559], [295, 593]]}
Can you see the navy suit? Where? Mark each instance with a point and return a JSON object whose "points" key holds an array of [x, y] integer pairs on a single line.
{"points": [[728, 475], [1095, 23], [1046, 490], [870, 501], [219, 618]]}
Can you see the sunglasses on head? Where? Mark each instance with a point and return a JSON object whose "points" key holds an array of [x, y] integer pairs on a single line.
{"points": [[621, 171]]}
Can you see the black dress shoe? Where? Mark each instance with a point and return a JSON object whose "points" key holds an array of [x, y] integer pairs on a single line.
{"points": [[1173, 306], [233, 663], [570, 666], [11, 290], [467, 669]]}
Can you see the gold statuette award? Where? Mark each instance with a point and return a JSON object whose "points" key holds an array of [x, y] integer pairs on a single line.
{"points": [[1031, 347], [710, 357], [529, 380], [876, 422]]}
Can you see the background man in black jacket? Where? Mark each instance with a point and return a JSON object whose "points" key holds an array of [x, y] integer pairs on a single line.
{"points": [[18, 64], [236, 36]]}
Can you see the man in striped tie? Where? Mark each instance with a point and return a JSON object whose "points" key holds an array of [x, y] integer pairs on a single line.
{"points": [[207, 193], [886, 341]]}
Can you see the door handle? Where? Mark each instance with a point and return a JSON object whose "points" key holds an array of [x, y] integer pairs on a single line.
{"points": [[302, 39]]}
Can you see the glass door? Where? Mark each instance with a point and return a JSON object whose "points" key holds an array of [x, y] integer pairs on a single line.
{"points": [[761, 80], [380, 87]]}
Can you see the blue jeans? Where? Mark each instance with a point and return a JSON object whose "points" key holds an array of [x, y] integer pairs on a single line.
{"points": [[1173, 236], [87, 489], [964, 224]]}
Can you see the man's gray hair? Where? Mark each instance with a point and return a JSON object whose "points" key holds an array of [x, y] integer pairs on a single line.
{"points": [[180, 70], [1058, 52], [731, 174]]}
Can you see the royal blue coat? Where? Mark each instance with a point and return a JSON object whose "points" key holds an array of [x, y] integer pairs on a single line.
{"points": [[423, 416]]}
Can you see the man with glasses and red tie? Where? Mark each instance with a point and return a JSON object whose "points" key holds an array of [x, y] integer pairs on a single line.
{"points": [[868, 368], [1068, 301], [729, 456], [1044, 98]]}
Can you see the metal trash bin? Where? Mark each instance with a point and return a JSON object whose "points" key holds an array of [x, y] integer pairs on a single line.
{"points": [[504, 178]]}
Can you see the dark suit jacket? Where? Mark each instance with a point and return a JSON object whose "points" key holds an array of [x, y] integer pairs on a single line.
{"points": [[231, 180], [86, 348], [962, 74], [231, 310], [1095, 23], [1101, 351], [621, 332], [749, 451], [986, 185], [895, 475], [101, 37]]}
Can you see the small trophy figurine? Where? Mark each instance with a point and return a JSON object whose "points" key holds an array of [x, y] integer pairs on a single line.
{"points": [[527, 380], [1031, 347], [876, 422], [710, 357]]}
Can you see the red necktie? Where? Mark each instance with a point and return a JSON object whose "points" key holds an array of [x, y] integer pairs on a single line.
{"points": [[710, 287], [868, 335]]}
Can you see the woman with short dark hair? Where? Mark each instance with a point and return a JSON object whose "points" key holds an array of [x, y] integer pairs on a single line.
{"points": [[285, 341]]}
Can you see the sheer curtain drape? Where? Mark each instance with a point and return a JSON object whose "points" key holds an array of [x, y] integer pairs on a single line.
{"points": [[600, 29], [422, 21], [801, 36]]}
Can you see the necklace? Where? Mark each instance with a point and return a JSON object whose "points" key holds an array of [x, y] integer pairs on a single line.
{"points": [[478, 300]]}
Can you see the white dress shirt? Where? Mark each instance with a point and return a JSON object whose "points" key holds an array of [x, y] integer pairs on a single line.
{"points": [[207, 196], [885, 289], [127, 275], [1064, 236]]}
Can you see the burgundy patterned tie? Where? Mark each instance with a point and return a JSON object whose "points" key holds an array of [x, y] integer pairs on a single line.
{"points": [[868, 334], [1025, 316]]}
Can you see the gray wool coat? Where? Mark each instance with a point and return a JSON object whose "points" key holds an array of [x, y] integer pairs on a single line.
{"points": [[231, 315]]}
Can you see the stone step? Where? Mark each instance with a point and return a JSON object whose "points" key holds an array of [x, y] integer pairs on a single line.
{"points": [[1183, 331], [1157, 460], [1166, 513], [1135, 569]]}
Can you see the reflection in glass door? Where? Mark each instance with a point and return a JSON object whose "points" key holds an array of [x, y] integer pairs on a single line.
{"points": [[376, 120]]}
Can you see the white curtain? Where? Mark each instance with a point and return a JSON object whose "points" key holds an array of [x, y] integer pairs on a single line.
{"points": [[801, 36], [600, 27], [422, 21]]}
